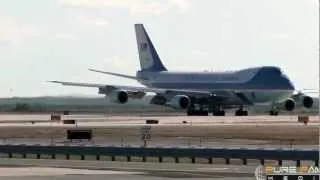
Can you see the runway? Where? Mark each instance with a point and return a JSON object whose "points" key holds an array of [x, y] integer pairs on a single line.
{"points": [[181, 142], [12, 169], [203, 131], [105, 120], [267, 132]]}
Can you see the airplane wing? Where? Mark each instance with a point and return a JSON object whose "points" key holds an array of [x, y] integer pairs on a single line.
{"points": [[77, 84], [108, 88], [139, 92]]}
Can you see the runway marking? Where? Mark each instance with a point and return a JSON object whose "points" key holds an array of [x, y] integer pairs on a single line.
{"points": [[217, 169]]}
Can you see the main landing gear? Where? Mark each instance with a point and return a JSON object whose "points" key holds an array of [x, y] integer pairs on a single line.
{"points": [[197, 113], [273, 113], [197, 110], [241, 112], [218, 112], [202, 110]]}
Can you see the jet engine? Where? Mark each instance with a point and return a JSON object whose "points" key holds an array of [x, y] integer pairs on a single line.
{"points": [[180, 102], [118, 96], [307, 101], [158, 100], [289, 104]]}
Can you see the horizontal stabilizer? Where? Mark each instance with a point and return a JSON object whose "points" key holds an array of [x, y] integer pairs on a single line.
{"points": [[114, 74]]}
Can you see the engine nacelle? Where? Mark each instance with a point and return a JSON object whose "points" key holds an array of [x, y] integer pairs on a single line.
{"points": [[118, 96], [307, 101], [180, 102], [289, 104]]}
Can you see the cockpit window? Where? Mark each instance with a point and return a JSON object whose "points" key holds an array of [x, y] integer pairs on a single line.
{"points": [[275, 70]]}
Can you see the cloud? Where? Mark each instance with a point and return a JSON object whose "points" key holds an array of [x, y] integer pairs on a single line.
{"points": [[95, 21], [133, 6], [199, 53], [13, 31], [280, 36], [183, 5], [63, 36], [120, 63], [278, 39]]}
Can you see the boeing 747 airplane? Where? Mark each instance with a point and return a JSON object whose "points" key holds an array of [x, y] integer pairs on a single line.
{"points": [[201, 92]]}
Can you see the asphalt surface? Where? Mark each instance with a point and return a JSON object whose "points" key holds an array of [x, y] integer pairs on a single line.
{"points": [[16, 169], [130, 135], [31, 169], [185, 142], [105, 120]]}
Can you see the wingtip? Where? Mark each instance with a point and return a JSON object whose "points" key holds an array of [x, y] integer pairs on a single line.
{"points": [[90, 69], [53, 81], [95, 70]]}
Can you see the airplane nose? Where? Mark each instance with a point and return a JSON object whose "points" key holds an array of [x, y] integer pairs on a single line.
{"points": [[288, 83]]}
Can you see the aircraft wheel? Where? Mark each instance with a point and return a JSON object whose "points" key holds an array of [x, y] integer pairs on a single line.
{"points": [[190, 113], [219, 113], [191, 110], [197, 113], [204, 113], [273, 113], [241, 113]]}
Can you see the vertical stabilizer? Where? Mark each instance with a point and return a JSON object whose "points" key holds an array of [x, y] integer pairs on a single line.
{"points": [[148, 56]]}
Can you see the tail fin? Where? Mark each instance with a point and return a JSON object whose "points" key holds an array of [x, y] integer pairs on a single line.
{"points": [[148, 56]]}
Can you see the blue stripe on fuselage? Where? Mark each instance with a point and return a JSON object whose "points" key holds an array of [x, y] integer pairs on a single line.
{"points": [[218, 86]]}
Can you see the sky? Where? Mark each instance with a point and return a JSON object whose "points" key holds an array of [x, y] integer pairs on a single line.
{"points": [[43, 40]]}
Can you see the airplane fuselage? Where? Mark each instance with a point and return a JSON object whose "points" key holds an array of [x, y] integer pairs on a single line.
{"points": [[260, 84]]}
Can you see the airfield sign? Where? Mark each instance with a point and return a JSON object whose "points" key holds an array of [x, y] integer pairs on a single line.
{"points": [[145, 134]]}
